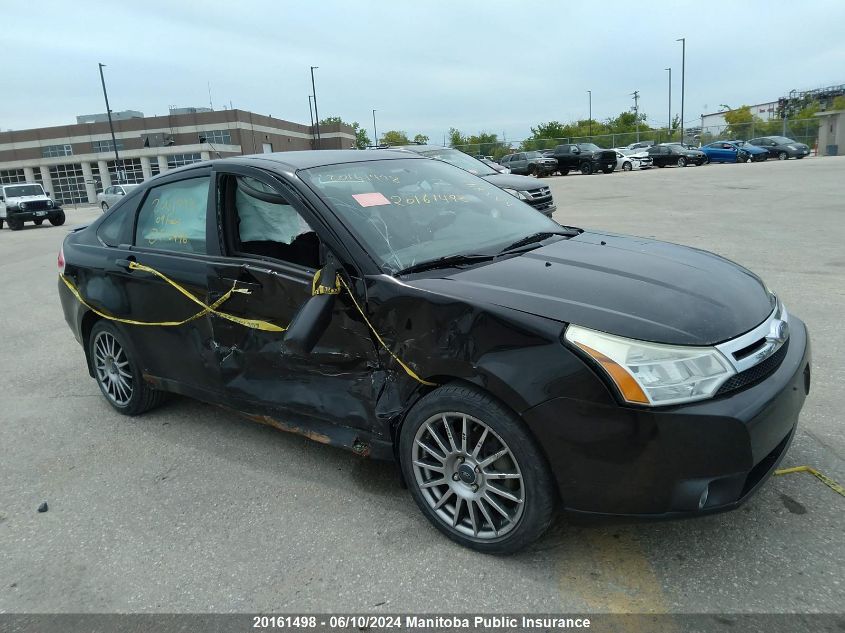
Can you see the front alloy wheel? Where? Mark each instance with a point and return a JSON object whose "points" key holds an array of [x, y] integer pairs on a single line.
{"points": [[475, 472], [782, 155], [626, 166], [682, 162]]}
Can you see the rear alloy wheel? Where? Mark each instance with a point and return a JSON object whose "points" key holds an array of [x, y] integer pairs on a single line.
{"points": [[682, 162], [475, 471], [116, 372], [626, 166], [58, 219], [782, 155], [105, 207]]}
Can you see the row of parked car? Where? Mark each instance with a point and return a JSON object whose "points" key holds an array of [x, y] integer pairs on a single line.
{"points": [[588, 158]]}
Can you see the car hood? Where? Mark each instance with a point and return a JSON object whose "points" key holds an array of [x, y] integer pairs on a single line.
{"points": [[512, 181], [629, 286], [753, 149], [26, 198]]}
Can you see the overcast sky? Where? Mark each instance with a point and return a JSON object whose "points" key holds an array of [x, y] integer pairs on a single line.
{"points": [[426, 65]]}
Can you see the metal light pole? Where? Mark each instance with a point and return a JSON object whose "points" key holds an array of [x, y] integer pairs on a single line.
{"points": [[670, 102], [590, 115], [118, 167], [375, 129], [316, 115], [683, 42], [311, 110]]}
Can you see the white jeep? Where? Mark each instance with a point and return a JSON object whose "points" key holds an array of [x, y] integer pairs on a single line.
{"points": [[28, 202]]}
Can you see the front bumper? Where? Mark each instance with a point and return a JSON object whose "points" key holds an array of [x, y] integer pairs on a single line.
{"points": [[659, 462], [29, 216]]}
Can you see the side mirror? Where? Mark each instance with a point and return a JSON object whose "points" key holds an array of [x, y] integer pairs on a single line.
{"points": [[2, 199], [47, 193], [309, 324]]}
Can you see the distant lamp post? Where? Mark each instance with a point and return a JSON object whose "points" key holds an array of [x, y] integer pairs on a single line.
{"points": [[683, 42], [375, 129], [590, 111], [316, 114], [670, 102], [311, 109], [117, 166]]}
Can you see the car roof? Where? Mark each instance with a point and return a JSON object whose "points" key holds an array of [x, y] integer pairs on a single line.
{"points": [[307, 159]]}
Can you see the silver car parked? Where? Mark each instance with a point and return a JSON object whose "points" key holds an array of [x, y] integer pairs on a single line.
{"points": [[110, 196]]}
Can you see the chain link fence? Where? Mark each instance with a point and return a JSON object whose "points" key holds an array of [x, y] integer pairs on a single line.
{"points": [[801, 130]]}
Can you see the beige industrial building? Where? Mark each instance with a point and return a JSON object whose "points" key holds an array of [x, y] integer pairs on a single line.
{"points": [[75, 162]]}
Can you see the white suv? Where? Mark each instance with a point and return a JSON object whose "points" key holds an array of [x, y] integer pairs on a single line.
{"points": [[28, 202]]}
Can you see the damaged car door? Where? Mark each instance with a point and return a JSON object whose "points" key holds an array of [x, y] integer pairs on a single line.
{"points": [[272, 245]]}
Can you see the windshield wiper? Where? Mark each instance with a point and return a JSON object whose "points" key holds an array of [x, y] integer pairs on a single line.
{"points": [[538, 237], [447, 261]]}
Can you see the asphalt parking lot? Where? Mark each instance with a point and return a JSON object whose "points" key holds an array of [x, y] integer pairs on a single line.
{"points": [[191, 509]]}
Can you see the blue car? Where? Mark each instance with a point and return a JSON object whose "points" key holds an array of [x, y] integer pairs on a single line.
{"points": [[733, 152]]}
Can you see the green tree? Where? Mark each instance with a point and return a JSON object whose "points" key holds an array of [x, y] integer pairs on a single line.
{"points": [[421, 138], [362, 140], [742, 124], [394, 137], [552, 129], [838, 103]]}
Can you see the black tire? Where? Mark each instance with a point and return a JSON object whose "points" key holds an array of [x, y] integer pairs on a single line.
{"points": [[38, 222], [532, 170], [14, 225], [705, 160], [57, 219], [586, 168], [564, 171], [682, 162], [799, 157], [627, 166], [782, 155], [1, 222], [661, 165], [142, 397], [607, 170], [104, 207], [539, 497]]}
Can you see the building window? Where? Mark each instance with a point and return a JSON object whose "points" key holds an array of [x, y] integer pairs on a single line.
{"points": [[216, 137], [68, 183], [95, 174], [178, 160], [129, 172], [11, 176], [155, 168], [105, 146], [52, 151]]}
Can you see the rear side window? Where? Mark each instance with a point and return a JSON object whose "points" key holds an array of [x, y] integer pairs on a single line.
{"points": [[116, 228], [173, 217]]}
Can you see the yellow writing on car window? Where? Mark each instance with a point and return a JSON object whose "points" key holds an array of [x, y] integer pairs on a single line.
{"points": [[427, 198], [361, 177]]}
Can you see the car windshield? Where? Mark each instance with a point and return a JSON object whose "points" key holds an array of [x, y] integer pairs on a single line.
{"points": [[588, 147], [410, 211], [781, 140], [24, 190], [530, 155], [459, 159]]}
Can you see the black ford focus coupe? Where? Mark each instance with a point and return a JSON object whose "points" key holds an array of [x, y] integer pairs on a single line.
{"points": [[404, 309]]}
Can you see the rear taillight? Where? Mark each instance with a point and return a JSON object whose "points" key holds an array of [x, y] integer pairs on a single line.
{"points": [[61, 260]]}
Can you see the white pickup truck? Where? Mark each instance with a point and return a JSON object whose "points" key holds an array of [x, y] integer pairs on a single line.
{"points": [[28, 202]]}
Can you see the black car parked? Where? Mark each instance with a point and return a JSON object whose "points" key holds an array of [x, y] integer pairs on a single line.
{"points": [[588, 158], [676, 154], [781, 147], [404, 309], [525, 188]]}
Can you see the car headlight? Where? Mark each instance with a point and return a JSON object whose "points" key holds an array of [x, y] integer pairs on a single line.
{"points": [[22, 206], [517, 194], [792, 147], [653, 373], [49, 204]]}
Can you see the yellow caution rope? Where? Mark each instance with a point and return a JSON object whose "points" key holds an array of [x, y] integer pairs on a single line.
{"points": [[316, 289], [827, 481]]}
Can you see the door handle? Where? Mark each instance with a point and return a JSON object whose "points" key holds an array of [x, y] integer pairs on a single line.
{"points": [[124, 263]]}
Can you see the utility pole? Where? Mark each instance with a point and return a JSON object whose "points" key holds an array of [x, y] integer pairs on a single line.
{"points": [[670, 102], [683, 42], [117, 166], [311, 110], [636, 95], [590, 115], [316, 114], [375, 129]]}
